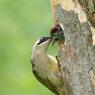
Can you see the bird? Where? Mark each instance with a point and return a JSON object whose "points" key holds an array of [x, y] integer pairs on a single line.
{"points": [[57, 33], [45, 67]]}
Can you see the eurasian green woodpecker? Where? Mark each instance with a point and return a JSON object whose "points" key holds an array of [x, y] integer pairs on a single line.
{"points": [[45, 67]]}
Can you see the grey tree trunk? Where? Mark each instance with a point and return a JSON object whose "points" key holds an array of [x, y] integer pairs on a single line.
{"points": [[78, 53]]}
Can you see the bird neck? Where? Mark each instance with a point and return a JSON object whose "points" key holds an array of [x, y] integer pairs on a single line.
{"points": [[42, 52], [39, 53]]}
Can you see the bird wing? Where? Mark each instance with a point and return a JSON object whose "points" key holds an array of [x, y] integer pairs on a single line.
{"points": [[45, 81]]}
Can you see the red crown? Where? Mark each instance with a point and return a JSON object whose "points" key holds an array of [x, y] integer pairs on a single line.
{"points": [[55, 29]]}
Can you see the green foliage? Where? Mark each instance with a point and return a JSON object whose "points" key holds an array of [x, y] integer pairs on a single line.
{"points": [[22, 22]]}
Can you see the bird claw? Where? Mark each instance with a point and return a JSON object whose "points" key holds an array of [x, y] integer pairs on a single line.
{"points": [[58, 61]]}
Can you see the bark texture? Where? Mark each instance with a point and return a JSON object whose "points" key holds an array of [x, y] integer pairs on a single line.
{"points": [[78, 54]]}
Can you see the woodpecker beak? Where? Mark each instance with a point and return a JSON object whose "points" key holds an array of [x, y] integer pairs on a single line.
{"points": [[43, 39]]}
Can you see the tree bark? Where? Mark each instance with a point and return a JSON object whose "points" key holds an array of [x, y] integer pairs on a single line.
{"points": [[78, 54]]}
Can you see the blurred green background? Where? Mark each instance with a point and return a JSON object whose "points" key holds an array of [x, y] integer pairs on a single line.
{"points": [[22, 22]]}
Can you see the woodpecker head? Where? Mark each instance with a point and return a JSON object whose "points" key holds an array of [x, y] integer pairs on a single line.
{"points": [[42, 44], [57, 33], [57, 28]]}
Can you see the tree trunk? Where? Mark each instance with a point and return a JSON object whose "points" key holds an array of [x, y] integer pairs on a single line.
{"points": [[78, 54]]}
